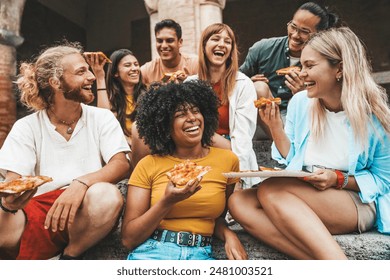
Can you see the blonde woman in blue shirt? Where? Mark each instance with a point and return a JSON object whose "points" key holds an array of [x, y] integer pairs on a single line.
{"points": [[341, 123]]}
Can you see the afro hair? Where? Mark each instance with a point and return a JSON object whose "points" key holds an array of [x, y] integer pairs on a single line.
{"points": [[158, 106]]}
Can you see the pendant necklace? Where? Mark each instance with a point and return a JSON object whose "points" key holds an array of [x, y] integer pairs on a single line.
{"points": [[69, 130]]}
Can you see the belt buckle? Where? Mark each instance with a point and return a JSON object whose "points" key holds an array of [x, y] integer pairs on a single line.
{"points": [[191, 236]]}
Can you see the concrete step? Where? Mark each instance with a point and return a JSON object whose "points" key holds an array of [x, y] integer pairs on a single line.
{"points": [[367, 246]]}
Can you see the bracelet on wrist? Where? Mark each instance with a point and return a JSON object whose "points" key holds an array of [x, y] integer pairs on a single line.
{"points": [[5, 209], [342, 179], [81, 182], [101, 89]]}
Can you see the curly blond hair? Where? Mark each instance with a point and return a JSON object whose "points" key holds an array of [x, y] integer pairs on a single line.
{"points": [[33, 80]]}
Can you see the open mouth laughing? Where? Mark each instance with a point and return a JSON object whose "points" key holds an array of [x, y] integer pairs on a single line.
{"points": [[193, 129], [87, 87], [309, 84], [219, 53]]}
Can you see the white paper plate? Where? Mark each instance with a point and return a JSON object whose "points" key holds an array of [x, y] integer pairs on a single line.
{"points": [[266, 174]]}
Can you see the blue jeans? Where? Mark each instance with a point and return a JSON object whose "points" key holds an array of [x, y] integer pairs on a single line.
{"points": [[159, 250]]}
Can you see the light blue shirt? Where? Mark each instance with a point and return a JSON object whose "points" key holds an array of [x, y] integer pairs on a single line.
{"points": [[371, 168]]}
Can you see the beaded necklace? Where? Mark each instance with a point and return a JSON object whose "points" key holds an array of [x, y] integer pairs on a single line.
{"points": [[69, 130]]}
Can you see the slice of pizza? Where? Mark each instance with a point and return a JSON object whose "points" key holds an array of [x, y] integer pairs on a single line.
{"points": [[287, 70], [172, 77], [263, 101], [24, 183], [101, 56], [183, 172]]}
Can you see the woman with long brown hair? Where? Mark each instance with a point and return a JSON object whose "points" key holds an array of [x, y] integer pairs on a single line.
{"points": [[119, 90], [218, 64]]}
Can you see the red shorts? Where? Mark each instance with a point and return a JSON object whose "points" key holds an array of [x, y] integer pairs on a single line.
{"points": [[38, 243]]}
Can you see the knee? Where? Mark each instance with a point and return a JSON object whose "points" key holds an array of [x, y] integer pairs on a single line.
{"points": [[104, 199], [11, 230], [241, 203], [276, 199], [268, 192], [234, 201], [262, 89]]}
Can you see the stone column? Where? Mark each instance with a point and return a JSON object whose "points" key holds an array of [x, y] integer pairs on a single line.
{"points": [[152, 9], [10, 18], [210, 12], [192, 15]]}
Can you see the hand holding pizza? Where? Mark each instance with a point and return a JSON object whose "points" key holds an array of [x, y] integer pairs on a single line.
{"points": [[270, 115], [184, 179], [175, 77], [15, 201], [174, 194], [294, 82], [97, 61], [18, 191]]}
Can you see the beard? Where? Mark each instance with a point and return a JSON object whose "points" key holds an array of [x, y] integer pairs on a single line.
{"points": [[76, 94]]}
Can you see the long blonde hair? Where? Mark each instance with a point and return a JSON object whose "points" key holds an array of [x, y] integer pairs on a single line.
{"points": [[228, 80], [361, 97], [33, 81]]}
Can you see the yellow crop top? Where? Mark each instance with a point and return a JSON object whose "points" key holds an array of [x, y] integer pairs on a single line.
{"points": [[198, 213], [129, 109]]}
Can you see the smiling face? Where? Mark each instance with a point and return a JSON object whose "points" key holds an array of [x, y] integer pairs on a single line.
{"points": [[76, 80], [187, 126], [168, 45], [320, 77], [128, 70], [299, 29], [218, 49]]}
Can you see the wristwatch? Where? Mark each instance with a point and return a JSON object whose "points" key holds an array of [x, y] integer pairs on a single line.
{"points": [[342, 179]]}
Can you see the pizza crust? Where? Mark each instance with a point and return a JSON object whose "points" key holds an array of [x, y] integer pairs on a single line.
{"points": [[183, 172], [23, 183]]}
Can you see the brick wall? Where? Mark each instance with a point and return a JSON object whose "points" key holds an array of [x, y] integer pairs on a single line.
{"points": [[7, 100]]}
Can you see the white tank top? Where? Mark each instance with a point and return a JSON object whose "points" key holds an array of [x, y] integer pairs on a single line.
{"points": [[331, 151]]}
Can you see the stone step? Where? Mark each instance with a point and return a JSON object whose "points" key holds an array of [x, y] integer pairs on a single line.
{"points": [[367, 246]]}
